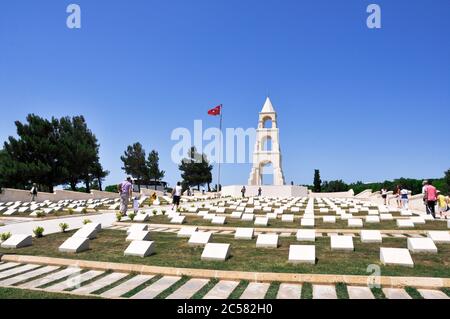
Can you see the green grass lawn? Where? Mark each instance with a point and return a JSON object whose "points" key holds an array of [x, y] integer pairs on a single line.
{"points": [[319, 224], [175, 252], [15, 293]]}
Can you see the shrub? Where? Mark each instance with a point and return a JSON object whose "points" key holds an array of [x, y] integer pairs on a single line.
{"points": [[39, 232], [163, 212], [84, 211], [118, 217], [154, 211], [5, 236], [63, 227], [40, 214], [203, 205], [70, 210], [87, 221], [131, 216]]}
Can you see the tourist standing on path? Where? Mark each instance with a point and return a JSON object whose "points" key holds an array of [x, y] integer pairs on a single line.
{"points": [[424, 187], [176, 195], [384, 194], [34, 192], [243, 191], [397, 196], [259, 192], [430, 198], [404, 197], [126, 192], [442, 204]]}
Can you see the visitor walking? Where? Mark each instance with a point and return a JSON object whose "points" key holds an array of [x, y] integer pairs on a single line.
{"points": [[259, 192], [136, 205], [404, 198], [384, 194], [243, 190], [430, 198], [176, 195], [443, 203], [126, 192], [397, 196], [34, 192]]}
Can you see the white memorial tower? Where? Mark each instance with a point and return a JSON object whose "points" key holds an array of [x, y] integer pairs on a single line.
{"points": [[267, 151]]}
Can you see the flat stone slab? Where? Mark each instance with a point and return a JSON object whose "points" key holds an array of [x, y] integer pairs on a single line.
{"points": [[342, 243], [99, 284], [75, 281], [188, 289], [406, 213], [267, 241], [74, 245], [289, 291], [432, 294], [417, 220], [186, 232], [139, 235], [50, 278], [371, 236], [439, 237], [17, 270], [178, 219], [307, 222], [396, 256], [261, 221], [372, 219], [89, 232], [405, 223], [422, 245], [156, 288], [396, 293], [216, 252], [248, 217], [137, 227], [302, 254], [306, 235], [141, 218], [222, 290], [287, 218], [28, 275], [355, 222], [17, 241], [199, 238], [126, 286], [255, 291], [329, 219], [244, 233], [140, 248], [7, 266], [355, 292], [236, 215], [324, 292], [386, 217], [218, 220]]}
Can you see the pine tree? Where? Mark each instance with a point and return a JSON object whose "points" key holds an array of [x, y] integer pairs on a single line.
{"points": [[317, 188], [134, 163], [195, 169], [154, 173]]}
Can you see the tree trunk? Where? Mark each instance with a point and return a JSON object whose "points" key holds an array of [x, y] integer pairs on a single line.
{"points": [[209, 188], [155, 185], [100, 184], [73, 186], [198, 187], [88, 186]]}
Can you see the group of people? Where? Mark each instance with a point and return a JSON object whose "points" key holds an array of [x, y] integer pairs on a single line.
{"points": [[431, 198], [244, 190]]}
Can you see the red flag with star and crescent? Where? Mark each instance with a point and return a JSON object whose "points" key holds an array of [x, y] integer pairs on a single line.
{"points": [[215, 111]]}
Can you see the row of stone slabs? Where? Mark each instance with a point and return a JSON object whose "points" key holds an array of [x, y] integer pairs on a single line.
{"points": [[26, 273]]}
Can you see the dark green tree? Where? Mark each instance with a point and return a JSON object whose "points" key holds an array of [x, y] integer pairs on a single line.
{"points": [[195, 169], [317, 188], [154, 173], [98, 174], [134, 163], [33, 157], [334, 186], [446, 186]]}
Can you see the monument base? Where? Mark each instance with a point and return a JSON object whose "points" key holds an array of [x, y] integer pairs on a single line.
{"points": [[267, 191]]}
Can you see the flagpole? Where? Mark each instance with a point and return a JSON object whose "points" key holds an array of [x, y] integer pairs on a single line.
{"points": [[220, 149]]}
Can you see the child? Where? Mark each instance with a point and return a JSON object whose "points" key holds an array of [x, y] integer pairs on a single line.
{"points": [[136, 205], [404, 197], [442, 204]]}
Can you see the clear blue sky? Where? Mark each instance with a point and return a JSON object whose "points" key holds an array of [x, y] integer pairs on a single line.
{"points": [[358, 104]]}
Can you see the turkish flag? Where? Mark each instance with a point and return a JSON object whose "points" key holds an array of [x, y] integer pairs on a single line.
{"points": [[215, 111]]}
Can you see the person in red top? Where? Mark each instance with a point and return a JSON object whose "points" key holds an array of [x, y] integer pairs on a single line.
{"points": [[430, 198]]}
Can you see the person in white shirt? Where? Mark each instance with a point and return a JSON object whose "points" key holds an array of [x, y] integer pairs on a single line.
{"points": [[176, 195], [405, 199], [384, 194]]}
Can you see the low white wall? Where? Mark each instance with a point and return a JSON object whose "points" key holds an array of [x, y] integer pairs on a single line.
{"points": [[267, 191], [14, 195], [348, 194]]}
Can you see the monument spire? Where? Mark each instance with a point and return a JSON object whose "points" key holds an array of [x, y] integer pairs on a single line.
{"points": [[268, 107]]}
